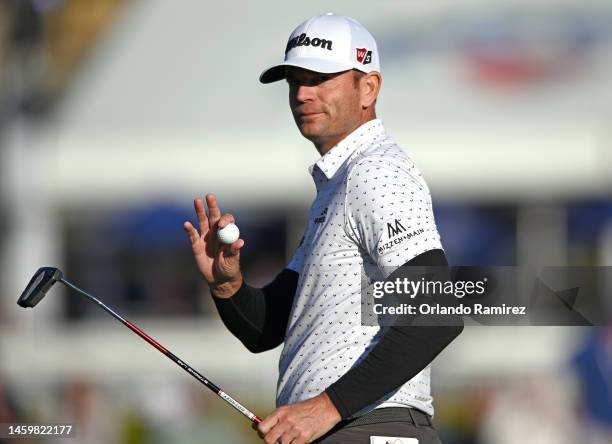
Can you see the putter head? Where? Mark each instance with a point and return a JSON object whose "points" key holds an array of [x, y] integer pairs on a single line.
{"points": [[38, 286]]}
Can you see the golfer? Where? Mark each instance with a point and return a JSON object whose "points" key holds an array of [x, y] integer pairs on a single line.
{"points": [[339, 382]]}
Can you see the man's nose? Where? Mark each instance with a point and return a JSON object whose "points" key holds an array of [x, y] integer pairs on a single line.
{"points": [[304, 93]]}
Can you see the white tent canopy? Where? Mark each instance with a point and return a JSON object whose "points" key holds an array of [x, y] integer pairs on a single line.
{"points": [[170, 104]]}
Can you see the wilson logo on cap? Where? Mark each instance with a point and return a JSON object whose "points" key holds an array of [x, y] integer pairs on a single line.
{"points": [[327, 44], [364, 56], [304, 40]]}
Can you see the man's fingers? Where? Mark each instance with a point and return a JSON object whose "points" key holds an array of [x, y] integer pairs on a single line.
{"points": [[282, 431], [266, 425], [201, 213], [228, 253], [225, 220], [291, 436], [191, 232], [271, 421], [274, 435], [214, 212]]}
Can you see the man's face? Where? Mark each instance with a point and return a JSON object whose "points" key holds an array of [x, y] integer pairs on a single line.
{"points": [[325, 107]]}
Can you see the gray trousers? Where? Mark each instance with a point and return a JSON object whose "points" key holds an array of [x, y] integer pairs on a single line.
{"points": [[389, 422]]}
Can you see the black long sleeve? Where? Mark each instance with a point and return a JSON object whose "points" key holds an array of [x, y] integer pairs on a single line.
{"points": [[258, 316], [401, 353]]}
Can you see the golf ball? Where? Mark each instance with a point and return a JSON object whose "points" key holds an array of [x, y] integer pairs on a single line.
{"points": [[228, 234]]}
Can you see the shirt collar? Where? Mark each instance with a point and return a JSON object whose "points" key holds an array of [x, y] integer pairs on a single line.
{"points": [[362, 137]]}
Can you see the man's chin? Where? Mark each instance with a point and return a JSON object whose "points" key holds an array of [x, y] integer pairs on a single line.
{"points": [[310, 130]]}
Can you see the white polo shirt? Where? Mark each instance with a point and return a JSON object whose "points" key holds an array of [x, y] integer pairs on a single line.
{"points": [[372, 208]]}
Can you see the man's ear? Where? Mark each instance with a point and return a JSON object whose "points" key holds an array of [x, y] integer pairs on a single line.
{"points": [[370, 86]]}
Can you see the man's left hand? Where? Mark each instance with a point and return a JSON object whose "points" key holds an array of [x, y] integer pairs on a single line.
{"points": [[300, 423]]}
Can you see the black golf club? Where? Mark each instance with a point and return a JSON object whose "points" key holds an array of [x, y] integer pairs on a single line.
{"points": [[44, 279]]}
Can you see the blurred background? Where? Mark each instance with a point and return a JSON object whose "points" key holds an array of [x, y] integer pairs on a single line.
{"points": [[115, 114]]}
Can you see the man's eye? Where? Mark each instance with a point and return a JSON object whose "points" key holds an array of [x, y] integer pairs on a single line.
{"points": [[317, 80], [314, 81]]}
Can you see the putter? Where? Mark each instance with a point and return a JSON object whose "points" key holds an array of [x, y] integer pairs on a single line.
{"points": [[44, 279]]}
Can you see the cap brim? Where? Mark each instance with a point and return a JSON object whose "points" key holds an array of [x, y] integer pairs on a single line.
{"points": [[277, 72]]}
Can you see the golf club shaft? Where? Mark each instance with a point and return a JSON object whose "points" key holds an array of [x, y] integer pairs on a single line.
{"points": [[242, 409]]}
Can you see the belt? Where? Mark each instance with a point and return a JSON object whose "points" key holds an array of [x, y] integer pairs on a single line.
{"points": [[390, 414]]}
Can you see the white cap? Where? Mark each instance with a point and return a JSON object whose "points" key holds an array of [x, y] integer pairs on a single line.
{"points": [[327, 44]]}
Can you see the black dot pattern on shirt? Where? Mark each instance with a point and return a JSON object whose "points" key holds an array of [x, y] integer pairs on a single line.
{"points": [[362, 184]]}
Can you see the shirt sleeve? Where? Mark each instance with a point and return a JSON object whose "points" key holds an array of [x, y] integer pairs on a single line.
{"points": [[389, 212], [296, 262], [258, 317]]}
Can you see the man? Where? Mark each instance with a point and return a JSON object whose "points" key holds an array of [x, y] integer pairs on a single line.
{"points": [[339, 381]]}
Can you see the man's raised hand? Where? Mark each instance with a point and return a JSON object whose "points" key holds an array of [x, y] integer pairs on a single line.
{"points": [[219, 263]]}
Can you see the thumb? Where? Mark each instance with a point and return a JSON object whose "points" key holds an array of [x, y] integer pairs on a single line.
{"points": [[228, 251]]}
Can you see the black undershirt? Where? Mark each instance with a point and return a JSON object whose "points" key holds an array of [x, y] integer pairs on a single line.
{"points": [[258, 317]]}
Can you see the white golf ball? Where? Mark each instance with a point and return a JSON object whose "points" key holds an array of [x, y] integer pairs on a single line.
{"points": [[228, 234]]}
